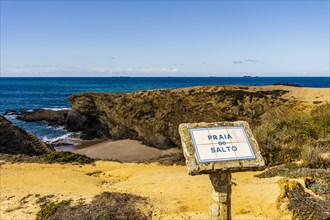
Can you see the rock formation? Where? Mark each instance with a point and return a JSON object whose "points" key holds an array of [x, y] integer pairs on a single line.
{"points": [[14, 140], [154, 116], [56, 118]]}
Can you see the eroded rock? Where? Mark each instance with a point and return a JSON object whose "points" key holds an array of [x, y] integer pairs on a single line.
{"points": [[14, 140], [52, 117], [154, 116]]}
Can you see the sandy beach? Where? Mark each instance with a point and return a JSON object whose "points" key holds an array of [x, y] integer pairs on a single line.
{"points": [[121, 150]]}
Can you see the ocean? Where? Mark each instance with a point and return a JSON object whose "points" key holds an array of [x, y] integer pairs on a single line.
{"points": [[35, 93]]}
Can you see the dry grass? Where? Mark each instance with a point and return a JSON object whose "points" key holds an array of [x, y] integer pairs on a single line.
{"points": [[286, 136], [105, 206], [54, 157], [302, 204], [66, 157]]}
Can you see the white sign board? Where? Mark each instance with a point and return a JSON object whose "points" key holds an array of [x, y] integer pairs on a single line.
{"points": [[221, 144]]}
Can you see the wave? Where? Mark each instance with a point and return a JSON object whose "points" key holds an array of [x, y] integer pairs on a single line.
{"points": [[10, 117], [71, 138], [18, 112], [56, 128], [56, 109]]}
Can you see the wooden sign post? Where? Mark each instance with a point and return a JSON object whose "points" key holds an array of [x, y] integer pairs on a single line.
{"points": [[218, 149]]}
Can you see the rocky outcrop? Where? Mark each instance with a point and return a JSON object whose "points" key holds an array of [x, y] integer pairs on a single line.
{"points": [[56, 118], [302, 204], [14, 140], [154, 116]]}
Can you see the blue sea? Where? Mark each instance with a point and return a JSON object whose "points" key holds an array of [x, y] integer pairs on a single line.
{"points": [[34, 93]]}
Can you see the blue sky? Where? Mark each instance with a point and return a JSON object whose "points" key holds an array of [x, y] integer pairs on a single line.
{"points": [[165, 38]]}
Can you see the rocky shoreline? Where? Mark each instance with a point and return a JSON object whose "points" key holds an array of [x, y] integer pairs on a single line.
{"points": [[153, 116]]}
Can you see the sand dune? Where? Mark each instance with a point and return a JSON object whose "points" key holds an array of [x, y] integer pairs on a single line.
{"points": [[172, 193]]}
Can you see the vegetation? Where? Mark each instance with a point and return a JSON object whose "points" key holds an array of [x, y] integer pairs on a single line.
{"points": [[19, 158], [54, 157], [47, 211], [66, 157], [301, 204], [286, 136], [105, 206], [317, 180]]}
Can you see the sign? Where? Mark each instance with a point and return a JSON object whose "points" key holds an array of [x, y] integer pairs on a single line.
{"points": [[218, 149], [221, 144]]}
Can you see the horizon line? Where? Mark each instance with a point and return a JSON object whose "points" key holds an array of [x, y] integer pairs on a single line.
{"points": [[211, 76]]}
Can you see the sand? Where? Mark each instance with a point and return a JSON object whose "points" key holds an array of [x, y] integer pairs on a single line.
{"points": [[172, 193], [304, 94], [123, 151], [308, 96]]}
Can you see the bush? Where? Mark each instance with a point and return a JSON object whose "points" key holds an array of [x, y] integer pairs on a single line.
{"points": [[66, 157], [302, 204], [320, 118], [104, 206], [287, 136], [47, 211], [312, 157]]}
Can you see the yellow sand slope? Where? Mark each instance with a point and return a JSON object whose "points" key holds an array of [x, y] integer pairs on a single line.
{"points": [[172, 193]]}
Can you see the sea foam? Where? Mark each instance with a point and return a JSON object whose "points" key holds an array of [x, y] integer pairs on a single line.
{"points": [[71, 138]]}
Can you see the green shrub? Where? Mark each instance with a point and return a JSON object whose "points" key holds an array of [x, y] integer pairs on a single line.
{"points": [[66, 157]]}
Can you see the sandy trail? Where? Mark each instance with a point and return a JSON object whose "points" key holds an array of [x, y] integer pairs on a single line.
{"points": [[172, 193], [309, 96]]}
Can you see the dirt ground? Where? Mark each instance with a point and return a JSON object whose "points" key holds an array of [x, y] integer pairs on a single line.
{"points": [[171, 192]]}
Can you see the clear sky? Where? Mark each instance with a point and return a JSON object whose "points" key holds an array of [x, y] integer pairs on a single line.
{"points": [[165, 38]]}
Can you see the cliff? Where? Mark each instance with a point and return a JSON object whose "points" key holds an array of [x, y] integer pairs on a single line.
{"points": [[154, 116], [14, 140]]}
